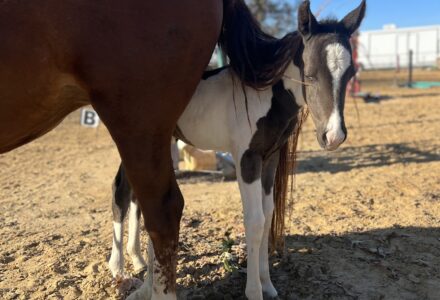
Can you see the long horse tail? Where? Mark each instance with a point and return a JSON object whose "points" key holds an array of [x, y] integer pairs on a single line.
{"points": [[258, 59], [284, 183]]}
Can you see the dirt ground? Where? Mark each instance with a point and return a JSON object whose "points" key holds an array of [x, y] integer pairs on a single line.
{"points": [[364, 225]]}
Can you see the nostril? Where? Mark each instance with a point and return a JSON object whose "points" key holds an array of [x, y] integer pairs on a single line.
{"points": [[324, 138]]}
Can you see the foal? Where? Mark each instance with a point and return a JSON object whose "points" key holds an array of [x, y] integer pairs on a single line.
{"points": [[254, 125], [217, 119]]}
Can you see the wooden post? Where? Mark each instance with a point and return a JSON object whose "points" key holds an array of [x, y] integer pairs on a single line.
{"points": [[410, 69]]}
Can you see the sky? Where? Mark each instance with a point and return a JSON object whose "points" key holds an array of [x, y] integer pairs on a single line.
{"points": [[403, 13]]}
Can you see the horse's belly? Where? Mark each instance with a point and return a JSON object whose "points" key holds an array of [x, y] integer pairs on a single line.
{"points": [[207, 132], [30, 110]]}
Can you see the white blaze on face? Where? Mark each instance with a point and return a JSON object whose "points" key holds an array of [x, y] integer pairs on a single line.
{"points": [[338, 61]]}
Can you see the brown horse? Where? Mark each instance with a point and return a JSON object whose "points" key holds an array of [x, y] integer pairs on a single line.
{"points": [[137, 62]]}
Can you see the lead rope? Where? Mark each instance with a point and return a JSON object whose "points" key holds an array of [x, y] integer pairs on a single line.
{"points": [[298, 81]]}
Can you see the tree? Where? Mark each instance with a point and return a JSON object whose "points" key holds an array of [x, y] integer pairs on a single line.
{"points": [[277, 17]]}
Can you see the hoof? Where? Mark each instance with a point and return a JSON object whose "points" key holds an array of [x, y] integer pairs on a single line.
{"points": [[143, 293], [269, 291], [125, 285], [268, 297]]}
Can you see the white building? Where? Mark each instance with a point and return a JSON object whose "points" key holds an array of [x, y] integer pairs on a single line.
{"points": [[389, 47]]}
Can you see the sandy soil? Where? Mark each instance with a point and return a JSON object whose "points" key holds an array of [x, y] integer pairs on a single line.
{"points": [[364, 225]]}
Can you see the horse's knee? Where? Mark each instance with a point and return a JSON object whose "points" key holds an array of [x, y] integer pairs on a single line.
{"points": [[268, 208]]}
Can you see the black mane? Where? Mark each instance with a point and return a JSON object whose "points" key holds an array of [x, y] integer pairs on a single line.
{"points": [[258, 59]]}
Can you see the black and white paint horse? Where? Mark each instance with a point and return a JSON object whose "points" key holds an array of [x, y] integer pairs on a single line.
{"points": [[254, 124]]}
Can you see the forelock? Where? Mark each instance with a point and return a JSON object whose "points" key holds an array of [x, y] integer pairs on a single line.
{"points": [[332, 26]]}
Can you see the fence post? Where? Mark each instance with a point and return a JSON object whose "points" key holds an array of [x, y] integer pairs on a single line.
{"points": [[410, 69]]}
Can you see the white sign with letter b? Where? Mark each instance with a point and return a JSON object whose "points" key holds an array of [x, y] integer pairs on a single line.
{"points": [[89, 118]]}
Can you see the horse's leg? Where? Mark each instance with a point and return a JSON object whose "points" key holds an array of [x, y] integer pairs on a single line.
{"points": [[120, 202], [146, 289], [164, 234], [249, 181], [133, 245], [147, 159], [267, 178], [139, 91], [162, 222]]}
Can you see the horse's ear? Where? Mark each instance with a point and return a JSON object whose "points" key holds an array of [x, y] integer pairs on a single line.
{"points": [[307, 24], [353, 20]]}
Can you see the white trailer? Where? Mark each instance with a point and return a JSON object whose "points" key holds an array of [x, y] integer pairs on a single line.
{"points": [[390, 47]]}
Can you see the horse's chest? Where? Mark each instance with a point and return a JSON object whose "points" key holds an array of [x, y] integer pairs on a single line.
{"points": [[275, 127], [272, 132]]}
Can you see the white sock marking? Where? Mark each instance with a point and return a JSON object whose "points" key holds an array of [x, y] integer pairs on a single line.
{"points": [[116, 262], [154, 285], [251, 197], [133, 245], [266, 283]]}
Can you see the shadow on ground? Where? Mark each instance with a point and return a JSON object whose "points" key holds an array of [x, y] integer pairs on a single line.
{"points": [[391, 263], [378, 98], [350, 158], [344, 160]]}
